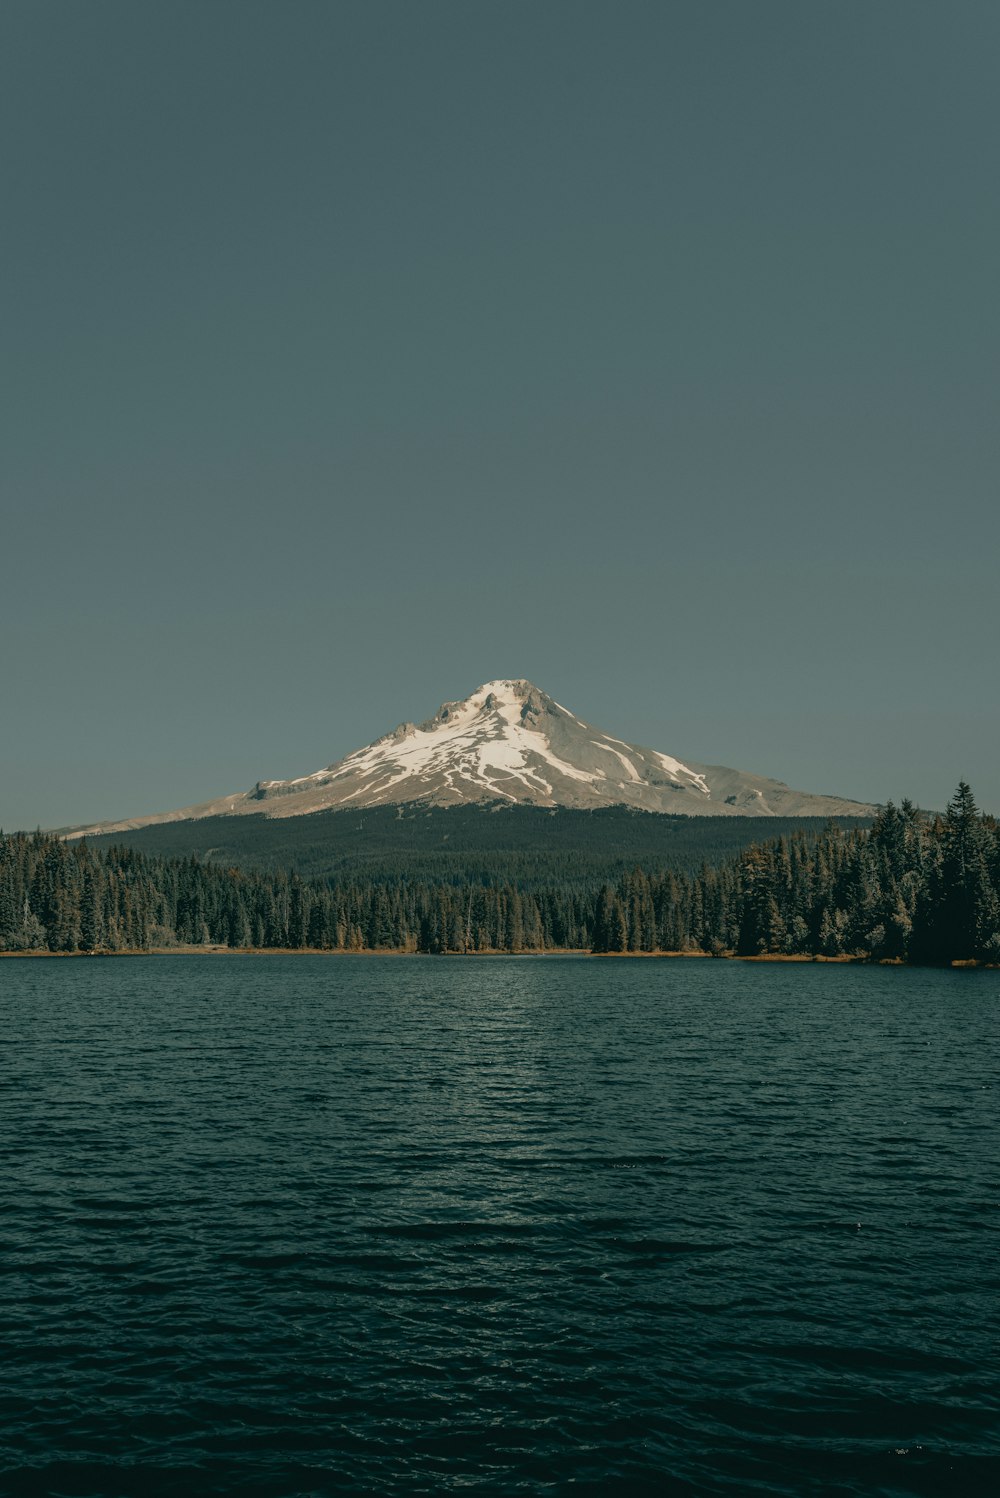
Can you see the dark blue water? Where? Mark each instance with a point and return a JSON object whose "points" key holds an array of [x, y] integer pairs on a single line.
{"points": [[391, 1226]]}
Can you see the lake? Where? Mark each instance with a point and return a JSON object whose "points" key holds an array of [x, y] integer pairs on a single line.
{"points": [[306, 1225]]}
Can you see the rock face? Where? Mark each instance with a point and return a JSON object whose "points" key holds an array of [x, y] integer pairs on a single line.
{"points": [[509, 742]]}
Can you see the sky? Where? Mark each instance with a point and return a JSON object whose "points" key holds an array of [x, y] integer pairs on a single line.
{"points": [[356, 353]]}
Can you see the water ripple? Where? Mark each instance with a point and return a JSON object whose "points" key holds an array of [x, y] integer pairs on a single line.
{"points": [[303, 1226]]}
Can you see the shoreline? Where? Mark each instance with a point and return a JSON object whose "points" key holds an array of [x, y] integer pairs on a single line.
{"points": [[183, 950]]}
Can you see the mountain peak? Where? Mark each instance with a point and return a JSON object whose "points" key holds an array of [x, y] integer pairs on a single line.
{"points": [[502, 697], [518, 686]]}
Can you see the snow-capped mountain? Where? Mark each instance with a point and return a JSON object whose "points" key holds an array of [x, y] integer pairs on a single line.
{"points": [[511, 742]]}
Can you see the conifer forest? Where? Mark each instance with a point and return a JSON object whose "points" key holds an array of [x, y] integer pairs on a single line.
{"points": [[911, 887]]}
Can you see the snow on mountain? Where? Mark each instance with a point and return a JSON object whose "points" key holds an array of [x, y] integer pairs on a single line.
{"points": [[511, 742], [506, 742]]}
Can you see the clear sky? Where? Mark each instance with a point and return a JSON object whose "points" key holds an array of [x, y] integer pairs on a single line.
{"points": [[356, 353]]}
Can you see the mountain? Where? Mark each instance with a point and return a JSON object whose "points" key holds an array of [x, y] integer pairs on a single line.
{"points": [[509, 742]]}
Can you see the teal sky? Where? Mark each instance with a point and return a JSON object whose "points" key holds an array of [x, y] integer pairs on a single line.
{"points": [[357, 353]]}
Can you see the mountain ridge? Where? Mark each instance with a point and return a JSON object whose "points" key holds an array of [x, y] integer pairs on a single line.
{"points": [[510, 742]]}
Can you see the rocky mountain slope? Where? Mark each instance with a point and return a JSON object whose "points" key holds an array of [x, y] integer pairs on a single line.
{"points": [[510, 742]]}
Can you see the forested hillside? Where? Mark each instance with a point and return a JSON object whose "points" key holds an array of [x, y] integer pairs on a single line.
{"points": [[911, 888], [530, 846]]}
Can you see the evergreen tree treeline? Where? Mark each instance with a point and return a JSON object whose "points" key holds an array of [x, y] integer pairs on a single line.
{"points": [[913, 888]]}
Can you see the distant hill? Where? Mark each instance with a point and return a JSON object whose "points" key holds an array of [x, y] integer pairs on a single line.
{"points": [[527, 845]]}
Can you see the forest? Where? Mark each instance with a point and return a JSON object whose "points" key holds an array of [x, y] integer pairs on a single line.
{"points": [[909, 888], [486, 843]]}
